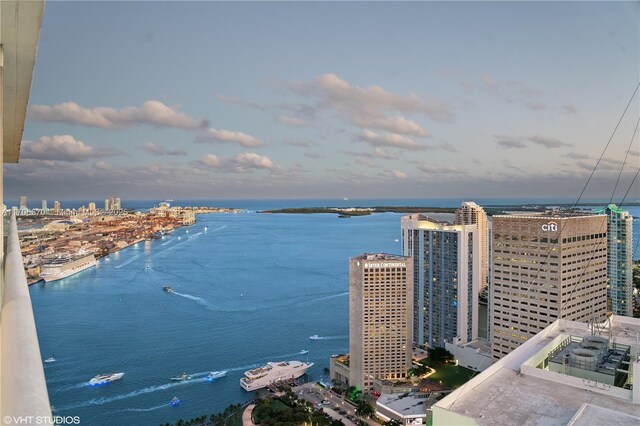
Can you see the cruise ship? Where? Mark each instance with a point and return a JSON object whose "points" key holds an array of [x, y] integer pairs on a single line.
{"points": [[66, 265], [273, 372]]}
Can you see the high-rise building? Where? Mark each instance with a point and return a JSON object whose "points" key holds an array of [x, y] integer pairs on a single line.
{"points": [[23, 202], [470, 213], [56, 206], [380, 317], [44, 206], [545, 267], [117, 205], [446, 278], [92, 207], [619, 260], [107, 206]]}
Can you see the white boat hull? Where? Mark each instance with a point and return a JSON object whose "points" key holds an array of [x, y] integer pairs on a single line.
{"points": [[275, 376], [55, 274]]}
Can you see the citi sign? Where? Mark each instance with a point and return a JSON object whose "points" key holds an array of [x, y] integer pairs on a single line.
{"points": [[551, 226]]}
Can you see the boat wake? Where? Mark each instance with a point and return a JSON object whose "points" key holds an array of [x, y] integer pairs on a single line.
{"points": [[142, 410], [127, 262], [199, 300], [330, 337], [319, 299]]}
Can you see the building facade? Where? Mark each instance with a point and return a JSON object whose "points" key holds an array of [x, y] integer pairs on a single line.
{"points": [[23, 202], [380, 318], [619, 260], [470, 213], [446, 278], [544, 268]]}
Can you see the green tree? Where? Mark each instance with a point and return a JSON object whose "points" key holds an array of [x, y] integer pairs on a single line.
{"points": [[439, 355], [363, 409]]}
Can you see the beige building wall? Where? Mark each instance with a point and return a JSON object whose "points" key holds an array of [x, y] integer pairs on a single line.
{"points": [[380, 318], [470, 213], [545, 268]]}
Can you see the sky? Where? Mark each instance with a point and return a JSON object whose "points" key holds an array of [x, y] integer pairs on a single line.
{"points": [[217, 100]]}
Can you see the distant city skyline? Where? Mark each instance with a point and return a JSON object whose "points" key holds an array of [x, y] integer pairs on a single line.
{"points": [[210, 100]]}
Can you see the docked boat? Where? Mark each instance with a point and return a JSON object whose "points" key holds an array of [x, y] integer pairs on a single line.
{"points": [[315, 337], [180, 378], [65, 265], [167, 289], [174, 401], [262, 377], [215, 375], [102, 379]]}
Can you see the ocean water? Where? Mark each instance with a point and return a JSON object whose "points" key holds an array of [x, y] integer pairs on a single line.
{"points": [[251, 288]]}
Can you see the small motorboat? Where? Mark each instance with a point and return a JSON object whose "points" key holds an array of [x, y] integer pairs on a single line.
{"points": [[206, 228], [215, 375], [167, 289], [103, 379], [182, 377], [304, 351], [314, 337], [50, 359], [174, 401]]}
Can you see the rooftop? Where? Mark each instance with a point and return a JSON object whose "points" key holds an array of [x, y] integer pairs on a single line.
{"points": [[379, 257], [405, 404], [518, 390]]}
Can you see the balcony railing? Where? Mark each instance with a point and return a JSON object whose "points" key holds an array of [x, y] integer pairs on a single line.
{"points": [[24, 390]]}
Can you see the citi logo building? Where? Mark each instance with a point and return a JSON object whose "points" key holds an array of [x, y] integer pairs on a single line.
{"points": [[551, 226]]}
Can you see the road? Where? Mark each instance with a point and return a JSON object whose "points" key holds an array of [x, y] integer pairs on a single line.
{"points": [[316, 394]]}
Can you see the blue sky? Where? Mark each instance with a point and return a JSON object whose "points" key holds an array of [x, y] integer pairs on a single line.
{"points": [[314, 100]]}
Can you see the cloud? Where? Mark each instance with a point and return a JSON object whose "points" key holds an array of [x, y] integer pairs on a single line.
{"points": [[212, 135], [291, 121], [152, 112], [63, 148], [390, 139], [300, 143], [396, 174], [372, 107], [102, 165], [511, 144], [505, 141], [313, 155], [158, 150], [547, 141], [569, 109], [576, 155], [241, 163], [209, 160], [514, 92], [430, 169]]}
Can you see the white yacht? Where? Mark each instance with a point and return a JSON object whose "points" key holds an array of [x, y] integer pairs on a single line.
{"points": [[273, 372], [65, 265], [102, 379], [215, 375], [315, 337]]}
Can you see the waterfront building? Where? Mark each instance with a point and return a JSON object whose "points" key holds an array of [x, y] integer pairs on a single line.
{"points": [[117, 205], [570, 373], [619, 260], [23, 202], [44, 206], [446, 278], [545, 267], [92, 207], [56, 206], [107, 206], [380, 318], [470, 213]]}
